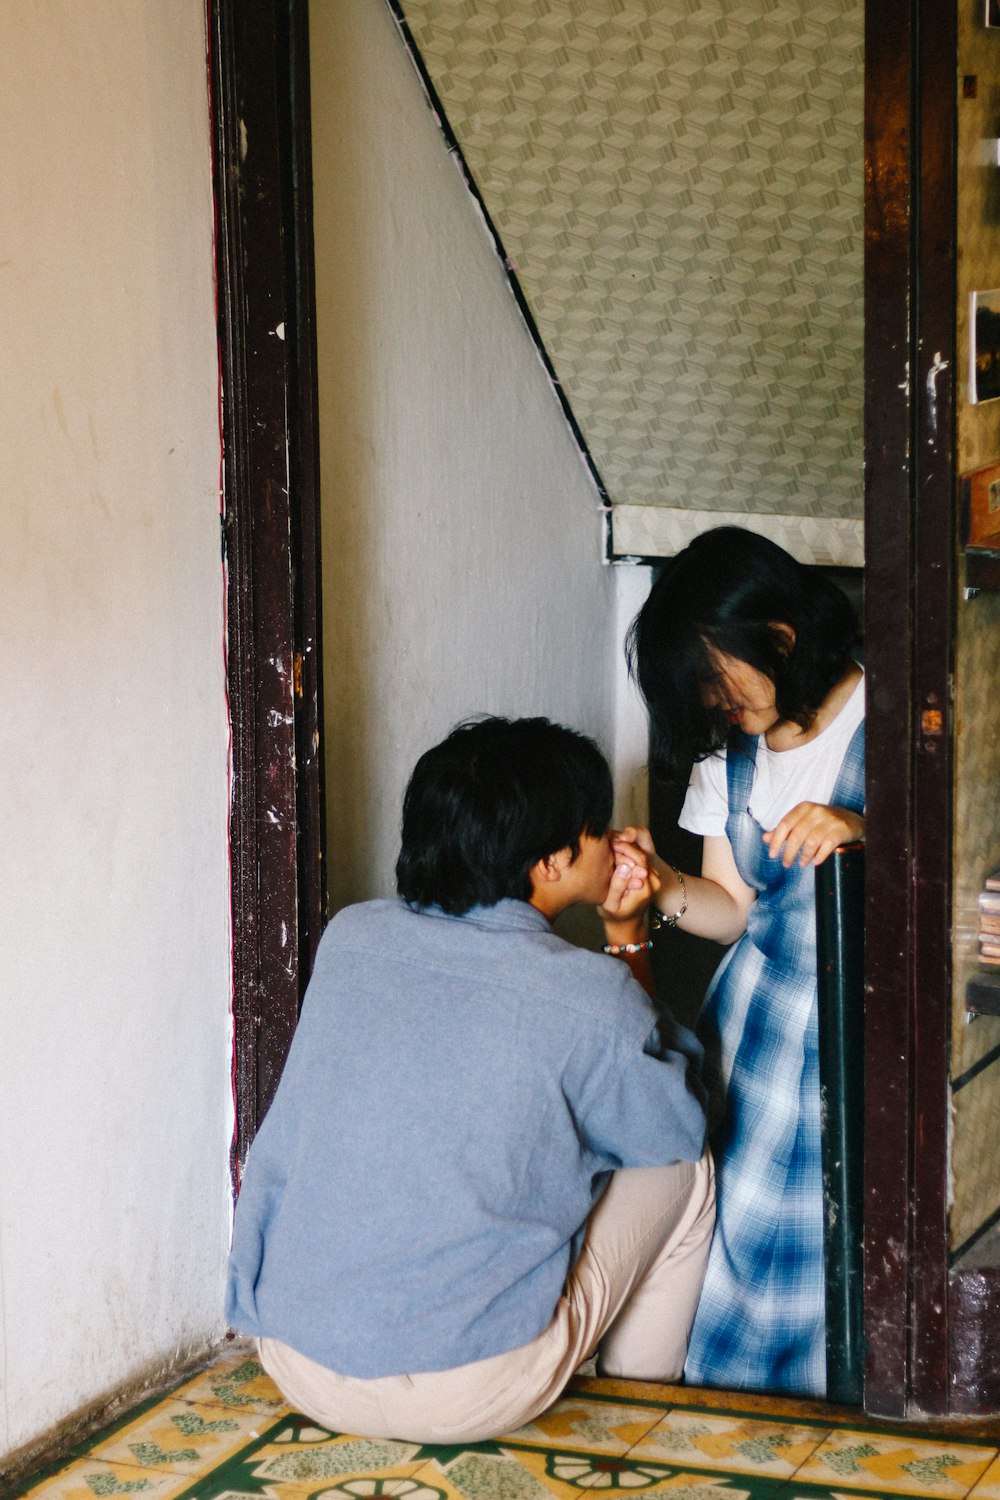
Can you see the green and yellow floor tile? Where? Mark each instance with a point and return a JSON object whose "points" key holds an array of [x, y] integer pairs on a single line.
{"points": [[227, 1434]]}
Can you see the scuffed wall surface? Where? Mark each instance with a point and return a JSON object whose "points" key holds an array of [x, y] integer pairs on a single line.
{"points": [[114, 1024], [461, 532], [680, 188], [976, 1162]]}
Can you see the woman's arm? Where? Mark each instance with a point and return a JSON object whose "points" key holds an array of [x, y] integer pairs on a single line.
{"points": [[717, 901]]}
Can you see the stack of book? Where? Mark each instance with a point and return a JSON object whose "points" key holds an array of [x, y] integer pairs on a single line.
{"points": [[989, 921]]}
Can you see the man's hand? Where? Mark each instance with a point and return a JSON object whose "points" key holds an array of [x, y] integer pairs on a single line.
{"points": [[632, 888], [811, 832]]}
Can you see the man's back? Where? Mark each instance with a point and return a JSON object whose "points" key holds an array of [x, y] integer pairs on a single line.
{"points": [[456, 1094]]}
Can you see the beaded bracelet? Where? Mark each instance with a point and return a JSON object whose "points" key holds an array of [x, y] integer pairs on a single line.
{"points": [[658, 919], [616, 948]]}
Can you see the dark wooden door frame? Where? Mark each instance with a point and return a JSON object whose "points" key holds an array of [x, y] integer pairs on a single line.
{"points": [[260, 92], [259, 82], [910, 375]]}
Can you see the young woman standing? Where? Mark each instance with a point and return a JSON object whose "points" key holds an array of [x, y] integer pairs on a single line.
{"points": [[746, 662]]}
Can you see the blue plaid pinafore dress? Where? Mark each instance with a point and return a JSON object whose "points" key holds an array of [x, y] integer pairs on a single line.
{"points": [[760, 1324]]}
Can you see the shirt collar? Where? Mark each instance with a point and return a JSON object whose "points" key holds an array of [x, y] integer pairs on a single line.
{"points": [[507, 915]]}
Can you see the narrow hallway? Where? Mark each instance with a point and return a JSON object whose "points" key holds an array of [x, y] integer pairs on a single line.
{"points": [[226, 1434]]}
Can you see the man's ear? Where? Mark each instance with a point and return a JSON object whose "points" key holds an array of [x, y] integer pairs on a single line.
{"points": [[784, 636], [549, 870]]}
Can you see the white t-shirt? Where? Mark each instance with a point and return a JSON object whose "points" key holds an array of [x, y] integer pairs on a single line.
{"points": [[782, 778]]}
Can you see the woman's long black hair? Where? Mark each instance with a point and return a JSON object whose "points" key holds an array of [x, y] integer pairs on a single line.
{"points": [[726, 593]]}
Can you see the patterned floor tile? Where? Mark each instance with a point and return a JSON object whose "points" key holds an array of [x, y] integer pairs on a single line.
{"points": [[355, 1465], [988, 1487], [93, 1479], [237, 1382], [795, 1489], [492, 1472], [734, 1444], [180, 1437], [740, 1403], [488, 1473], [592, 1426], [294, 1460], [897, 1465], [227, 1434], [388, 1486]]}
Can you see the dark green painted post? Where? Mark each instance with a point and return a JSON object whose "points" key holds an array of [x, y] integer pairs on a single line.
{"points": [[840, 917]]}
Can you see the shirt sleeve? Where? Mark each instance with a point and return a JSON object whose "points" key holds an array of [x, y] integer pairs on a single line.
{"points": [[706, 806]]}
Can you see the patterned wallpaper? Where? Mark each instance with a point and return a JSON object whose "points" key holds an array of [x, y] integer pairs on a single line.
{"points": [[679, 190], [975, 1068]]}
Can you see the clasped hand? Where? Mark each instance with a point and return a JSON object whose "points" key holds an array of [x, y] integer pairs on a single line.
{"points": [[633, 883]]}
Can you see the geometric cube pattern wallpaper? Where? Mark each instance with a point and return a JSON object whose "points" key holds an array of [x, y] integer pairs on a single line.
{"points": [[678, 187]]}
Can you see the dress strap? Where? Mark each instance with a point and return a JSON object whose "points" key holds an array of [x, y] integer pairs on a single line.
{"points": [[849, 790], [741, 766]]}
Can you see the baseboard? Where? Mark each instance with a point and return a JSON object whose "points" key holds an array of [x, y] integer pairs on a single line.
{"points": [[146, 1384]]}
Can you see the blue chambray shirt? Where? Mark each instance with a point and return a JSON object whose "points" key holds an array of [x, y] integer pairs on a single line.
{"points": [[456, 1095]]}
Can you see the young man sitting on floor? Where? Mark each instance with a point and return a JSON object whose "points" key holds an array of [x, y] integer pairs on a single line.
{"points": [[485, 1160]]}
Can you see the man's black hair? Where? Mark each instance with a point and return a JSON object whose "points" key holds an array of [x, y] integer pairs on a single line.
{"points": [[489, 802], [726, 593]]}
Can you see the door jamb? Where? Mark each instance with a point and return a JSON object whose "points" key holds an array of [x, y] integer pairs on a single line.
{"points": [[910, 352], [259, 88]]}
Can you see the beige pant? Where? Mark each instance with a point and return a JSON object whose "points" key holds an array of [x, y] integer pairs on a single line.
{"points": [[632, 1294]]}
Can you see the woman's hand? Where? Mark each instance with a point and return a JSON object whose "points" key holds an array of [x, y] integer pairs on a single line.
{"points": [[811, 832], [639, 841], [637, 844]]}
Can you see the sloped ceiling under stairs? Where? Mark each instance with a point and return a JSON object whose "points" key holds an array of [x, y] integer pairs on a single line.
{"points": [[677, 185]]}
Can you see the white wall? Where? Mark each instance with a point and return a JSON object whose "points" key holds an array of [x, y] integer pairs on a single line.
{"points": [[461, 533], [114, 1025]]}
